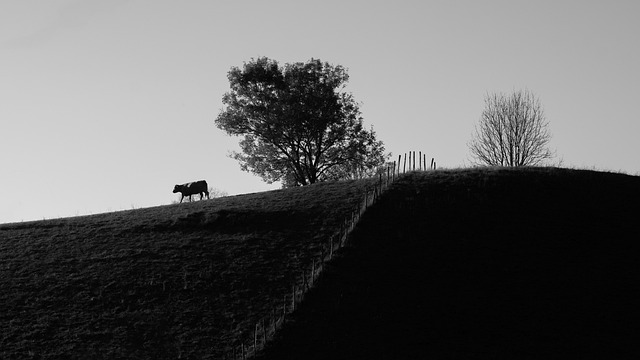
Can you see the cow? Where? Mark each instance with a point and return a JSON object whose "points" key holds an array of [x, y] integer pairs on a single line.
{"points": [[192, 188]]}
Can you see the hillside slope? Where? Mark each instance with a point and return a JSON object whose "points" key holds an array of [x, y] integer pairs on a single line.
{"points": [[177, 281], [491, 263]]}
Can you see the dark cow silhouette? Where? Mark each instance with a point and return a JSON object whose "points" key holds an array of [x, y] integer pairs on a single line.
{"points": [[192, 188]]}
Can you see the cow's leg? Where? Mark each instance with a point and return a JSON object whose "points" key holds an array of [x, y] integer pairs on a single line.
{"points": [[181, 197], [207, 193]]}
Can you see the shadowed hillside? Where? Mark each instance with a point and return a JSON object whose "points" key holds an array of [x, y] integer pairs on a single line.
{"points": [[491, 263], [483, 263]]}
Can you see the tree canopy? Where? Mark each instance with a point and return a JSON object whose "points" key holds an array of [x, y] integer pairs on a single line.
{"points": [[513, 131], [297, 123]]}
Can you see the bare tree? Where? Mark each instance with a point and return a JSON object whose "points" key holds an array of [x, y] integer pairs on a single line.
{"points": [[513, 131]]}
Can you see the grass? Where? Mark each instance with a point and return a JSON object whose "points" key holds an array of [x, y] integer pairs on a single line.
{"points": [[475, 263], [178, 281], [482, 263]]}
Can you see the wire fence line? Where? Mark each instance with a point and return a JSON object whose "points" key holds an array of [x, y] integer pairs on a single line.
{"points": [[255, 339]]}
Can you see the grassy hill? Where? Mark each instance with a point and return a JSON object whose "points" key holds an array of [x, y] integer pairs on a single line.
{"points": [[491, 263], [456, 264], [177, 281]]}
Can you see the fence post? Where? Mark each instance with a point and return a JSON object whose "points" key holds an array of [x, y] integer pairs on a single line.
{"points": [[293, 303], [304, 280], [393, 174], [414, 161], [411, 160], [330, 248], [387, 175], [347, 228], [419, 160], [404, 167]]}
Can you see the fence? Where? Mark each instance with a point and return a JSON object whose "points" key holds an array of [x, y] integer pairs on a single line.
{"points": [[266, 327]]}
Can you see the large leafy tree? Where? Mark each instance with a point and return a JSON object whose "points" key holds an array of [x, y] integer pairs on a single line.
{"points": [[297, 124]]}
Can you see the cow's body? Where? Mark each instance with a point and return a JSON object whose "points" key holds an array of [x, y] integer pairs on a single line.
{"points": [[192, 188]]}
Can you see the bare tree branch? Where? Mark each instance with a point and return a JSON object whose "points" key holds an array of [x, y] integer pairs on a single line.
{"points": [[512, 131]]}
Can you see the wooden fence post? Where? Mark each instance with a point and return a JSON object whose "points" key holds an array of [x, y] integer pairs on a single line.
{"points": [[419, 160], [399, 158], [293, 303], [305, 283], [393, 175], [330, 248], [411, 157], [414, 161], [404, 167]]}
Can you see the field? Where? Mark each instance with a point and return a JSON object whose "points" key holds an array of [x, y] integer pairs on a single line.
{"points": [[477, 264], [176, 281], [527, 263]]}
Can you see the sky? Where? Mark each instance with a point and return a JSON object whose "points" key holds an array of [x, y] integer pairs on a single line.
{"points": [[106, 105]]}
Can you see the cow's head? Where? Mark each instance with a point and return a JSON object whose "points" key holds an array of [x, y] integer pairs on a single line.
{"points": [[177, 188]]}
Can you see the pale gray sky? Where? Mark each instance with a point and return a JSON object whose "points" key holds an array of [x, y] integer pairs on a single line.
{"points": [[106, 105]]}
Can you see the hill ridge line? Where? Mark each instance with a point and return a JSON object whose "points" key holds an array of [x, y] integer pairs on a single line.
{"points": [[263, 332], [431, 273]]}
